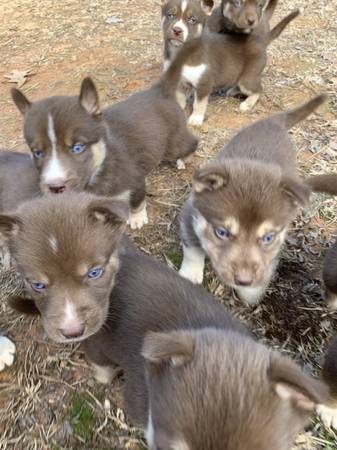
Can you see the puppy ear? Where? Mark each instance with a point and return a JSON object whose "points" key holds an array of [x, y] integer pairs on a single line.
{"points": [[89, 97], [175, 348], [9, 225], [112, 212], [207, 6], [209, 179], [21, 101], [295, 190], [294, 386]]}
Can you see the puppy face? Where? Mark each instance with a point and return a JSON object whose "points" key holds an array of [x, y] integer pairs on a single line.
{"points": [[244, 210], [183, 20], [211, 389], [65, 135], [245, 14], [66, 249]]}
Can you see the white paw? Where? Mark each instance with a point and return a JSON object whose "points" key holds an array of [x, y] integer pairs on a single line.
{"points": [[102, 374], [180, 164], [138, 219], [193, 274], [249, 103], [195, 120], [250, 295], [193, 264], [7, 351], [327, 415]]}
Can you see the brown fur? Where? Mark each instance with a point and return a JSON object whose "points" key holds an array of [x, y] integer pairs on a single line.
{"points": [[251, 190], [121, 143], [243, 16], [216, 60], [330, 276], [205, 381]]}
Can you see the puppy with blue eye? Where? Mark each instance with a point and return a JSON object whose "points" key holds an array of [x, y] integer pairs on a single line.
{"points": [[242, 204]]}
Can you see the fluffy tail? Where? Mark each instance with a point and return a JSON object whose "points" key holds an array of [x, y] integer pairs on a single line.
{"points": [[326, 184], [277, 30], [293, 116], [269, 11], [170, 79]]}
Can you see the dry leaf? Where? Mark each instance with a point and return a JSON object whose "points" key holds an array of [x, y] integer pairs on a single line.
{"points": [[18, 76]]}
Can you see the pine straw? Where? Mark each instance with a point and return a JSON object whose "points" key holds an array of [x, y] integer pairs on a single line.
{"points": [[48, 399]]}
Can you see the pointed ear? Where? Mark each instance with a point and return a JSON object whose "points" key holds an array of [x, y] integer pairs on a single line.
{"points": [[294, 386], [175, 348], [21, 101], [295, 190], [89, 98], [9, 225], [209, 179], [109, 211], [207, 6]]}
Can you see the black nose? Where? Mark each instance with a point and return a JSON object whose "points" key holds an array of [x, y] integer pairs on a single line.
{"points": [[57, 189], [73, 331], [251, 21], [177, 31]]}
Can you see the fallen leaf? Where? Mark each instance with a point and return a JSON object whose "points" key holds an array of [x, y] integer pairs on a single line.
{"points": [[18, 76]]}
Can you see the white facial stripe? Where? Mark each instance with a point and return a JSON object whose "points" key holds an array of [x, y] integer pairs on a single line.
{"points": [[193, 74], [184, 5], [181, 24], [53, 172], [53, 244], [70, 315]]}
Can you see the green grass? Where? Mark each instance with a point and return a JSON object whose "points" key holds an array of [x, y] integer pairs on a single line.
{"points": [[81, 416]]}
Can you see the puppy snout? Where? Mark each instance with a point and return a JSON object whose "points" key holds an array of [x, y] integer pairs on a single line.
{"points": [[243, 278], [57, 186], [177, 31], [74, 330], [251, 20]]}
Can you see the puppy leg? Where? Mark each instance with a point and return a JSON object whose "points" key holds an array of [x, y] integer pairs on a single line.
{"points": [[187, 145], [102, 367], [250, 81], [193, 264], [138, 214], [7, 352], [103, 374], [181, 98], [199, 110]]}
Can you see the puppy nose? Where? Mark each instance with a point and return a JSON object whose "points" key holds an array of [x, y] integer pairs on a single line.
{"points": [[73, 331], [177, 31], [56, 186], [251, 21], [243, 278]]}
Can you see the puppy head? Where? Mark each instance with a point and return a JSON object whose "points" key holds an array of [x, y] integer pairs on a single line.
{"points": [[66, 249], [183, 20], [244, 209], [66, 138], [213, 389], [244, 14]]}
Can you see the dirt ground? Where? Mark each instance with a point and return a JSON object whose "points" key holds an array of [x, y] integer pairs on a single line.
{"points": [[48, 399]]}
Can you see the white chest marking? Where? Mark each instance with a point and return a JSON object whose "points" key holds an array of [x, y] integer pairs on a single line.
{"points": [[193, 74], [53, 172]]}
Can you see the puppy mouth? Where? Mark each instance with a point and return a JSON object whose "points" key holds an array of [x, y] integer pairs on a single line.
{"points": [[57, 336], [176, 42]]}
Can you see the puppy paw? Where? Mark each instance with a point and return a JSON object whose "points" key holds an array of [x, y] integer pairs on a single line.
{"points": [[180, 164], [138, 219], [103, 374], [193, 274], [196, 120], [249, 103], [327, 415], [7, 351]]}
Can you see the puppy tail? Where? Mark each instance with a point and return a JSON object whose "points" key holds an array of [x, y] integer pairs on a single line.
{"points": [[277, 30], [171, 78], [270, 9], [327, 183], [292, 117]]}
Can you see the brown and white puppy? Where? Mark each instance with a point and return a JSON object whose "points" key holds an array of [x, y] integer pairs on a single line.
{"points": [[199, 381], [242, 16], [182, 20], [328, 411], [76, 146], [242, 204], [234, 62]]}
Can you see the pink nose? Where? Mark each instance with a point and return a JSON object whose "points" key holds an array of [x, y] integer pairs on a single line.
{"points": [[73, 331], [177, 31], [57, 186], [243, 278], [251, 21]]}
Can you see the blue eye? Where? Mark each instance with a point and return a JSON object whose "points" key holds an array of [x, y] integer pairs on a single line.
{"points": [[222, 233], [95, 273], [237, 3], [38, 286], [38, 154], [268, 238], [77, 148]]}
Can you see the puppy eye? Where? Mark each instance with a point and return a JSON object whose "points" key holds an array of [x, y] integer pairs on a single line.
{"points": [[222, 233], [37, 286], [95, 273], [268, 238], [192, 20], [38, 154], [237, 3], [170, 16], [77, 148]]}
